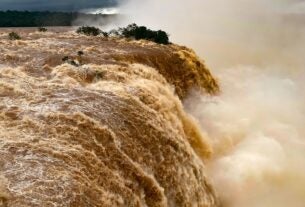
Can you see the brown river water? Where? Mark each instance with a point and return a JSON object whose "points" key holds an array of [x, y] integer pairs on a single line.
{"points": [[107, 131]]}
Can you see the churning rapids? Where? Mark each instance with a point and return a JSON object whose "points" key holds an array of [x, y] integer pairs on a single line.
{"points": [[106, 131]]}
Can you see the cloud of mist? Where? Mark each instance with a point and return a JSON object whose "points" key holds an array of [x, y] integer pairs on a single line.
{"points": [[257, 129], [256, 49], [230, 32]]}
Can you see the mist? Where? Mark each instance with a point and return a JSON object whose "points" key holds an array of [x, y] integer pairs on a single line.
{"points": [[228, 33], [256, 125]]}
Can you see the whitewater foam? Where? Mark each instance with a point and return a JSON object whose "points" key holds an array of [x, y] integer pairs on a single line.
{"points": [[108, 132]]}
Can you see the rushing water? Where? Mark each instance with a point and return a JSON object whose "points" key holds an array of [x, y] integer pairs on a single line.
{"points": [[110, 132], [256, 125]]}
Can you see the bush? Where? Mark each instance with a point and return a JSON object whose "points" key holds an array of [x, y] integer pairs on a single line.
{"points": [[42, 29], [142, 32], [105, 34], [80, 53], [114, 33], [131, 31], [14, 36], [89, 31]]}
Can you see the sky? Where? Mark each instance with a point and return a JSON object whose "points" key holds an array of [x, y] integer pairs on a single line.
{"points": [[54, 5], [75, 5]]}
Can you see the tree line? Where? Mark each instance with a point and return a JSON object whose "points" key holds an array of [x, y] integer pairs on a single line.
{"points": [[131, 31], [44, 18]]}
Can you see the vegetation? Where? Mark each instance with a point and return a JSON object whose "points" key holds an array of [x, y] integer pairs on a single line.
{"points": [[105, 34], [80, 53], [90, 31], [13, 36], [142, 32], [42, 29], [45, 18], [131, 31]]}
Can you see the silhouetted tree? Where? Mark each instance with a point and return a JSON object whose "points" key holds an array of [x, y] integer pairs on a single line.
{"points": [[142, 32], [90, 31]]}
